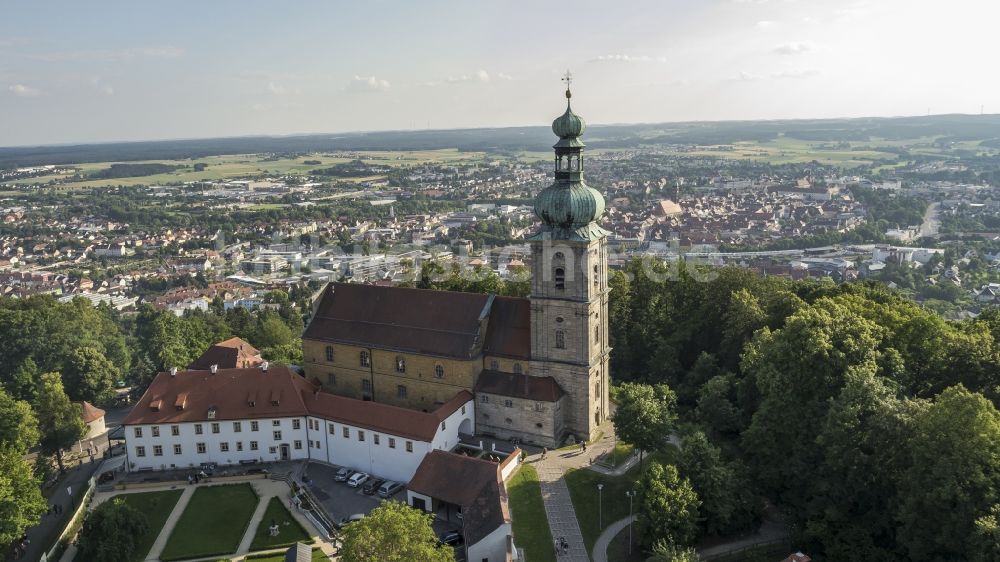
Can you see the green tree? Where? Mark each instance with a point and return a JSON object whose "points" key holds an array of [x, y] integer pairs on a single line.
{"points": [[90, 376], [668, 507], [59, 420], [273, 332], [645, 415], [666, 552], [393, 532], [18, 424], [21, 500], [728, 504], [716, 407], [110, 532], [952, 472]]}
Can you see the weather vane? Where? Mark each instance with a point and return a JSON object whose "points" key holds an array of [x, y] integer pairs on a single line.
{"points": [[568, 79]]}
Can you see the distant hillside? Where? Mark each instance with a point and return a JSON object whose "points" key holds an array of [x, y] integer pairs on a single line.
{"points": [[954, 127]]}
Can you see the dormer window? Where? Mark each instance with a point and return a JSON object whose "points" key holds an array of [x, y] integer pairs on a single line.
{"points": [[211, 413]]}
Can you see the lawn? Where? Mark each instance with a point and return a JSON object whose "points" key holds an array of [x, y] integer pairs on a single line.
{"points": [[596, 508], [531, 527], [213, 522], [290, 531], [157, 507]]}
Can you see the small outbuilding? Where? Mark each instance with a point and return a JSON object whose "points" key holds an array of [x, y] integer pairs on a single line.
{"points": [[94, 418]]}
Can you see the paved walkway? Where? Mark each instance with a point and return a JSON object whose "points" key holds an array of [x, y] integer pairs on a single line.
{"points": [[555, 493], [44, 535], [600, 553], [168, 527], [265, 488]]}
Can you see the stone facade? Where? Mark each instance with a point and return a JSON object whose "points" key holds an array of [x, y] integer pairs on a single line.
{"points": [[403, 379], [569, 304], [504, 417]]}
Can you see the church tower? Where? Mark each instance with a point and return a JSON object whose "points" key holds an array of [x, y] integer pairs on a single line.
{"points": [[569, 284]]}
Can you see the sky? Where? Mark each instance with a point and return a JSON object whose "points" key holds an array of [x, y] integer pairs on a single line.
{"points": [[80, 72]]}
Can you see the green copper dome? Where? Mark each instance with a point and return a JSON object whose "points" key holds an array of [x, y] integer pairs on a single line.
{"points": [[569, 206], [569, 209], [569, 125]]}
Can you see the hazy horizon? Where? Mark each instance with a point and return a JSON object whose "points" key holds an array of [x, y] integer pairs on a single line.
{"points": [[124, 72]]}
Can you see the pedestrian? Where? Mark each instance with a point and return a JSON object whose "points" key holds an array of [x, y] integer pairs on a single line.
{"points": [[584, 446], [544, 451]]}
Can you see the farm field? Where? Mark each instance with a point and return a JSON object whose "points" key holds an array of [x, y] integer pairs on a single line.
{"points": [[245, 165]]}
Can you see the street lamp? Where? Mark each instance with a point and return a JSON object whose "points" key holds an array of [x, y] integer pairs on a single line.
{"points": [[630, 494], [600, 507]]}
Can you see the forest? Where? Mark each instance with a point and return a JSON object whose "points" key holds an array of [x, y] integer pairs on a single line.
{"points": [[870, 422]]}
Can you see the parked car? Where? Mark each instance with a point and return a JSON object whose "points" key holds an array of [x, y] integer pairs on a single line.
{"points": [[389, 488], [372, 486], [342, 474], [357, 479], [351, 518], [451, 538]]}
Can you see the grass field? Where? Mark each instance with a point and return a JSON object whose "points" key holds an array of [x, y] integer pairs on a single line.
{"points": [[530, 526], [596, 510], [243, 165], [157, 507], [290, 531], [213, 522]]}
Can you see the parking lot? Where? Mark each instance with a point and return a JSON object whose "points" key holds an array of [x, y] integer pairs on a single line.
{"points": [[342, 501]]}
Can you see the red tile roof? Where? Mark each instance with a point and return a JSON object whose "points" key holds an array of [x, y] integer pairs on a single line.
{"points": [[228, 391], [404, 422], [540, 389], [508, 333], [442, 323], [233, 353], [90, 412], [277, 392]]}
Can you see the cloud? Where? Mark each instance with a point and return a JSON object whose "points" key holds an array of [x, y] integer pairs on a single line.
{"points": [[765, 24], [503, 76], [276, 89], [22, 91], [627, 58], [796, 74], [367, 84], [103, 87], [795, 48], [111, 54], [478, 76], [744, 76]]}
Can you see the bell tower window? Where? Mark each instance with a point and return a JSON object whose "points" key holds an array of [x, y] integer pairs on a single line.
{"points": [[560, 278], [560, 339]]}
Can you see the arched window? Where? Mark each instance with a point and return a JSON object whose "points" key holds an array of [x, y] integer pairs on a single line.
{"points": [[560, 339], [400, 365], [439, 371], [559, 270], [517, 368], [329, 353], [597, 334], [597, 277], [560, 278], [366, 360]]}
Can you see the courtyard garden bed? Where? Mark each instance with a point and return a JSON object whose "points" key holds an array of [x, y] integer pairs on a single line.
{"points": [[290, 531]]}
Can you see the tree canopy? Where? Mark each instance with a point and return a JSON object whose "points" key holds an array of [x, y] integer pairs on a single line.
{"points": [[393, 532]]}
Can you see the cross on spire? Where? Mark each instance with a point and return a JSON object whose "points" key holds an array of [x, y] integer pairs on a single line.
{"points": [[568, 79]]}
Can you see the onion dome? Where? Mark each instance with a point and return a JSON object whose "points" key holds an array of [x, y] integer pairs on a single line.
{"points": [[569, 125], [569, 206]]}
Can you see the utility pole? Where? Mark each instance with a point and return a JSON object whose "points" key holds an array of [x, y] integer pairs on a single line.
{"points": [[600, 508], [630, 494]]}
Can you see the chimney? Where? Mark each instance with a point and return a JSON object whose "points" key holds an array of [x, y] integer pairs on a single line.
{"points": [[214, 368], [264, 366], [173, 371]]}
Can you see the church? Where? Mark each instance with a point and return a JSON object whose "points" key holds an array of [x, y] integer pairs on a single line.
{"points": [[537, 366]]}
